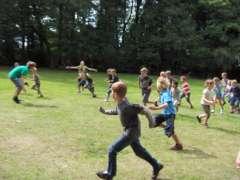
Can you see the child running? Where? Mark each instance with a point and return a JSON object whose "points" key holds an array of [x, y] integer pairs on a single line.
{"points": [[176, 94], [224, 83], [168, 114], [112, 78], [131, 132], [83, 77], [36, 79], [145, 84], [16, 75], [186, 91], [235, 98], [218, 89], [208, 99]]}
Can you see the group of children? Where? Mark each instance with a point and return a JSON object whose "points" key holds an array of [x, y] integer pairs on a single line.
{"points": [[169, 100], [219, 91]]}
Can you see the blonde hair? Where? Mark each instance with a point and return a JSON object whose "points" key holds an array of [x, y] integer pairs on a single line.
{"points": [[162, 83]]}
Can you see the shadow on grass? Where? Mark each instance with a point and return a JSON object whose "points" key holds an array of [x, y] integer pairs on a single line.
{"points": [[186, 117], [228, 131], [197, 153], [39, 105]]}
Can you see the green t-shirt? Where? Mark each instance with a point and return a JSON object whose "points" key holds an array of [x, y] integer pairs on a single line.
{"points": [[18, 72]]}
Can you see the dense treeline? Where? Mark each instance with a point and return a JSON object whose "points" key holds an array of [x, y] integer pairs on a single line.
{"points": [[197, 35]]}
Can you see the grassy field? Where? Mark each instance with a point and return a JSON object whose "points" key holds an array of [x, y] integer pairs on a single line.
{"points": [[63, 136]]}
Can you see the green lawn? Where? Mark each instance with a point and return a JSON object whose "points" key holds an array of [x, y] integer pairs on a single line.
{"points": [[63, 136]]}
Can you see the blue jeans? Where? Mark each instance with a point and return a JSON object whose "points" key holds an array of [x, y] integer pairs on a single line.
{"points": [[138, 149]]}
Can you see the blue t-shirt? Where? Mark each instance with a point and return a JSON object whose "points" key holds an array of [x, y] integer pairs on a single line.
{"points": [[166, 97], [18, 72]]}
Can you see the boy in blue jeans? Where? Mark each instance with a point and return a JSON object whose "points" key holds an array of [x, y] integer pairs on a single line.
{"points": [[131, 132], [168, 114]]}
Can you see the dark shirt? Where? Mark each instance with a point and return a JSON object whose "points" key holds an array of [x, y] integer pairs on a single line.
{"points": [[129, 117], [114, 79], [145, 82], [235, 91]]}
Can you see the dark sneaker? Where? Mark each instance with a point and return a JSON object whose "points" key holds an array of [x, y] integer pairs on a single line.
{"points": [[94, 95], [199, 119], [177, 147], [156, 171], [104, 175], [16, 100], [156, 103]]}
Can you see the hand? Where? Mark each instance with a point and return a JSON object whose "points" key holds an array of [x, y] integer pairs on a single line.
{"points": [[152, 107], [101, 109]]}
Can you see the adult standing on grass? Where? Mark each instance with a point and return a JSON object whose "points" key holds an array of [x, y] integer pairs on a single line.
{"points": [[16, 75], [131, 134]]}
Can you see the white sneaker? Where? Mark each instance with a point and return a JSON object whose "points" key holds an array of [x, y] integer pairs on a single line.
{"points": [[221, 111], [212, 111]]}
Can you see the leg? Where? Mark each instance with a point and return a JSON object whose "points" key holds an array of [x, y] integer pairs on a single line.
{"points": [[189, 100], [19, 87], [108, 93], [38, 90], [141, 152], [115, 148]]}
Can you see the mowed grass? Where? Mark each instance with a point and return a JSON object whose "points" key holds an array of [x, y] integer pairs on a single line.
{"points": [[63, 136]]}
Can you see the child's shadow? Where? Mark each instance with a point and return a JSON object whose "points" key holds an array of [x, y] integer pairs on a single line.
{"points": [[228, 131], [39, 105], [197, 153]]}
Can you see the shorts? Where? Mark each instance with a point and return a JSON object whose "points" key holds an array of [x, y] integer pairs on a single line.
{"points": [[234, 101], [219, 95], [17, 82], [207, 110], [81, 82], [169, 129]]}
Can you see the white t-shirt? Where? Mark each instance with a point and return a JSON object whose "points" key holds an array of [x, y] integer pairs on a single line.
{"points": [[209, 95]]}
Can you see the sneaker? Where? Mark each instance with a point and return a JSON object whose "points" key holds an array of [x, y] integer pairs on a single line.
{"points": [[156, 171], [199, 119], [212, 111], [221, 111], [177, 147], [16, 100], [104, 175], [94, 95]]}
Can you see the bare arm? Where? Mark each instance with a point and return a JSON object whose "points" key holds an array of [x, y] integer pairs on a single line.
{"points": [[91, 69], [109, 111], [149, 116], [72, 67], [208, 101], [161, 106]]}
